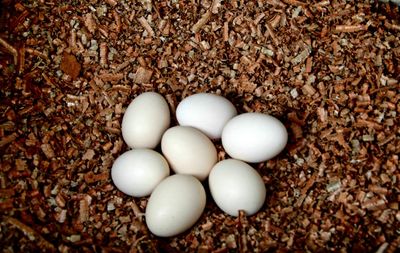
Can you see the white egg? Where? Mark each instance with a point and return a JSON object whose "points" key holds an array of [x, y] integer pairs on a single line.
{"points": [[189, 151], [254, 137], [175, 205], [137, 172], [206, 112], [235, 186], [145, 120]]}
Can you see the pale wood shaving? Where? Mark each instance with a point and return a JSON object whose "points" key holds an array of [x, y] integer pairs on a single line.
{"points": [[146, 26], [90, 23], [202, 21]]}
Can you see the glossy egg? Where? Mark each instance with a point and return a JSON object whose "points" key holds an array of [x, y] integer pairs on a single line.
{"points": [[206, 112], [254, 137], [175, 205], [145, 120], [235, 186], [189, 151], [137, 172]]}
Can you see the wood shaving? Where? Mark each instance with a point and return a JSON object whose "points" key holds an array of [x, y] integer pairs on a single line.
{"points": [[329, 70]]}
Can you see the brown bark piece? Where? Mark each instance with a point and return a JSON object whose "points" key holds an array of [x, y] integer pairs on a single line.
{"points": [[70, 65]]}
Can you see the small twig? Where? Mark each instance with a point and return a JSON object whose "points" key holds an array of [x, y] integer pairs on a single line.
{"points": [[10, 49]]}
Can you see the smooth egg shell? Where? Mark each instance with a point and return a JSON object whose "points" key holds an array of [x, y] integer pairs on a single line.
{"points": [[137, 172], [175, 205], [189, 151], [145, 120], [254, 137], [235, 186], [206, 112]]}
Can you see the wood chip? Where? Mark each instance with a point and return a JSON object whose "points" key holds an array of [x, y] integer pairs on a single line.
{"points": [[90, 23], [143, 75], [70, 65], [146, 26], [48, 150], [8, 139], [89, 154], [202, 21], [329, 70]]}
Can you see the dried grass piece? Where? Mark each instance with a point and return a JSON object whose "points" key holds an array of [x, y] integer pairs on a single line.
{"points": [[146, 26]]}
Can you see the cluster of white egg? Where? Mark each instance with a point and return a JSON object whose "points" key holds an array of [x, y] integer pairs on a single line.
{"points": [[176, 202]]}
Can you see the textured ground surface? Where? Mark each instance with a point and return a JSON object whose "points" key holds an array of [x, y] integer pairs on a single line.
{"points": [[328, 69]]}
